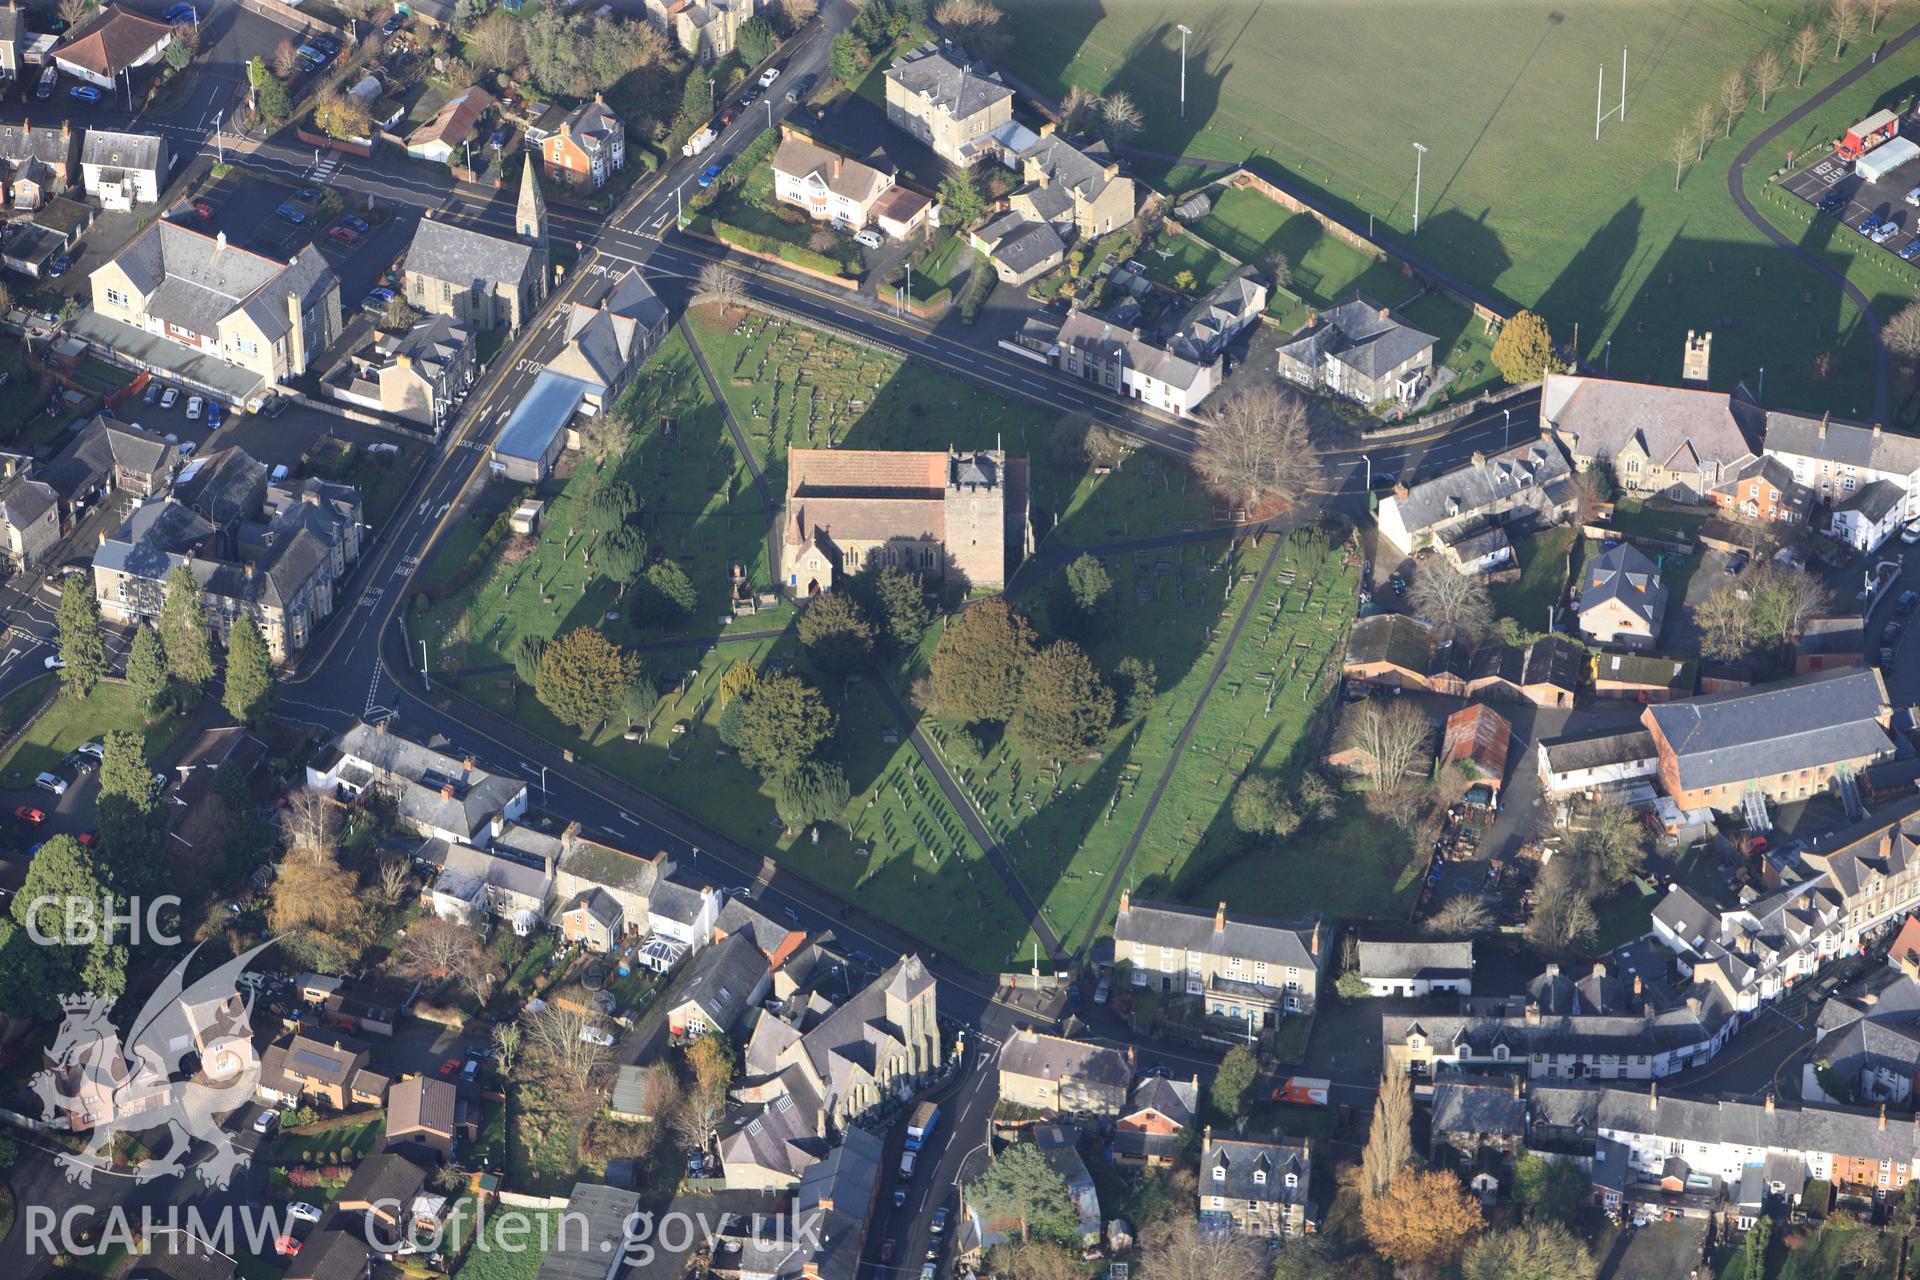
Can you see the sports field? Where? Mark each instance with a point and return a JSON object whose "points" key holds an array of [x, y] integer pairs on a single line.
{"points": [[1515, 193]]}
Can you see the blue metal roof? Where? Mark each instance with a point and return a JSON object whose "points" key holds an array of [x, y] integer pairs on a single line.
{"points": [[543, 414]]}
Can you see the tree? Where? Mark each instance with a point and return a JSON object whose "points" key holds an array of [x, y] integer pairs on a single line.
{"points": [[1183, 281], [1136, 684], [1801, 51], [506, 1046], [712, 1060], [1876, 10], [1461, 916], [754, 41], [1562, 919], [1726, 625], [1260, 807], [1681, 152], [310, 822], [575, 1061], [835, 631], [437, 949], [847, 59], [1783, 599], [1065, 708], [1035, 1260], [1612, 843], [1843, 24], [397, 314], [1422, 1221], [810, 792], [1767, 75], [286, 61], [1753, 1249], [719, 285], [1901, 333], [897, 601], [1702, 124], [1075, 110], [798, 13], [395, 878], [319, 912], [75, 12], [1279, 269], [622, 554], [146, 670], [1389, 1148], [1735, 93], [494, 44], [978, 664], [66, 885], [962, 203], [180, 48], [1078, 441], [81, 645], [270, 97], [1234, 1081], [1021, 1186], [1088, 586], [1456, 605], [608, 505], [1119, 118], [528, 654], [339, 116], [1258, 447], [584, 678], [183, 632], [132, 827], [249, 691], [1524, 350], [670, 594], [782, 723], [1392, 737], [1538, 1251], [1182, 1250], [1549, 1190]]}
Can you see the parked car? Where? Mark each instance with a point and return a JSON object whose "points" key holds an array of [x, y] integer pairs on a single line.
{"points": [[214, 414], [1832, 202], [870, 239], [27, 813], [84, 93], [287, 1246], [301, 1211], [55, 662], [1886, 658], [1890, 634], [357, 223], [290, 214], [313, 194], [274, 405], [194, 404], [60, 265], [393, 24], [726, 117], [1884, 232], [267, 1123], [345, 235], [886, 1252], [153, 393], [168, 396], [499, 137], [51, 782], [377, 300], [1910, 534], [1735, 563], [768, 76], [49, 80], [939, 1223], [1906, 601], [708, 174], [94, 749], [178, 14]]}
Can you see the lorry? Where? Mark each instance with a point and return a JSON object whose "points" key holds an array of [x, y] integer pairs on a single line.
{"points": [[920, 1127], [1866, 135], [1302, 1090], [699, 142]]}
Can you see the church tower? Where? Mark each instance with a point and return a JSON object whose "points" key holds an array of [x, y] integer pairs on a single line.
{"points": [[530, 220]]}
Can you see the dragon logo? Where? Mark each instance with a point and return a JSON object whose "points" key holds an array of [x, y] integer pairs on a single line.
{"points": [[96, 1081]]}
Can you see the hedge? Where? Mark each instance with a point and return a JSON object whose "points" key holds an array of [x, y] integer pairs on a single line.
{"points": [[798, 255]]}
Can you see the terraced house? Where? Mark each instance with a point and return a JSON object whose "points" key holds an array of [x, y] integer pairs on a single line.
{"points": [[1257, 1186], [1244, 971], [272, 318], [1062, 1076], [1836, 460]]}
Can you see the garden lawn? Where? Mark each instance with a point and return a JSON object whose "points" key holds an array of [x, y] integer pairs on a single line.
{"points": [[1632, 516], [344, 1141], [933, 280], [750, 206], [1518, 198], [1543, 579], [513, 1244], [543, 1151], [71, 721]]}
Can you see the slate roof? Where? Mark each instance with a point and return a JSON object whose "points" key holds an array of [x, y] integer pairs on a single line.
{"points": [[1846, 444], [722, 978], [1019, 243], [1875, 500], [1227, 308], [1415, 959], [948, 85], [1536, 466], [805, 160], [1591, 750], [420, 1103], [1361, 334], [13, 23], [195, 281], [390, 1176], [1675, 425], [768, 934], [1811, 1129], [1391, 639], [21, 143], [1044, 1057], [1625, 576], [109, 43], [331, 1254], [1884, 1036], [598, 904], [1483, 1110], [461, 255], [420, 775], [593, 125], [1169, 924], [1844, 634], [23, 501], [1177, 1100], [602, 340], [1241, 1158], [140, 151], [1109, 342], [1673, 1029], [1812, 720], [598, 1223]]}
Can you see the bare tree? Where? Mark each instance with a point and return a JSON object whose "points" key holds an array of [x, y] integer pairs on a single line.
{"points": [[1843, 25], [396, 876], [286, 59], [1783, 599], [720, 285], [1279, 269], [1461, 916], [1902, 333], [1258, 446], [1181, 1250], [435, 948], [799, 13], [1876, 10], [1801, 51], [661, 1094], [506, 1046], [1394, 737], [1075, 108], [1119, 118], [1702, 124], [311, 821], [605, 435], [74, 12], [1454, 604], [555, 1036], [1683, 150], [1562, 919], [495, 43], [1734, 96], [1768, 74], [689, 1126]]}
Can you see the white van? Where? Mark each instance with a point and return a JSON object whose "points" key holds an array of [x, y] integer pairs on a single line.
{"points": [[50, 782], [906, 1165]]}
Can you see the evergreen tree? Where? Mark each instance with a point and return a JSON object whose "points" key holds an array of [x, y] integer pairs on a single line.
{"points": [[1136, 684], [183, 632], [67, 889], [132, 820], [1524, 350], [810, 792], [1065, 708], [584, 678], [979, 661], [781, 724], [896, 602], [249, 690], [836, 632], [1234, 1081], [1088, 586], [81, 645], [1020, 1185], [147, 671]]}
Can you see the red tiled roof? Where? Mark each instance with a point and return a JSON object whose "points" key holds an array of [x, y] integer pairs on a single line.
{"points": [[112, 41], [828, 470]]}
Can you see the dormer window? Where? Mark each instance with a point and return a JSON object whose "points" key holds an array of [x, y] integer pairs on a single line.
{"points": [[1260, 1177], [1293, 1180], [1220, 1173]]}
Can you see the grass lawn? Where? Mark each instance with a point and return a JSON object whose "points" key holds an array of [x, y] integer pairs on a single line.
{"points": [[934, 279], [1516, 194], [71, 721], [751, 207], [1631, 515], [543, 1144], [346, 1140], [513, 1245], [1623, 917], [1543, 579]]}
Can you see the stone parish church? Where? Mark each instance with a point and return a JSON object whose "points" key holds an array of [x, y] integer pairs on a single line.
{"points": [[960, 517]]}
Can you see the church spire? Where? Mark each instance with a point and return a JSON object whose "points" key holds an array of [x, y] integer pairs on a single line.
{"points": [[531, 218]]}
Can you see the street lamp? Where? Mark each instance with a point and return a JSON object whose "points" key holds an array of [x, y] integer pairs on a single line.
{"points": [[1506, 430], [543, 784], [1185, 31], [1366, 458], [1419, 152]]}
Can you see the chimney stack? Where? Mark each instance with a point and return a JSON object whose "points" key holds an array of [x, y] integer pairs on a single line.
{"points": [[1553, 970], [1313, 943], [1636, 984], [1123, 901], [1653, 1095], [1206, 1140], [1220, 918], [446, 791], [1769, 1102], [1599, 969], [498, 826]]}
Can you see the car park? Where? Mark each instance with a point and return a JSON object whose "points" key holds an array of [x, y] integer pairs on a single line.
{"points": [[1884, 232], [345, 235], [84, 93], [194, 404], [357, 223], [168, 396]]}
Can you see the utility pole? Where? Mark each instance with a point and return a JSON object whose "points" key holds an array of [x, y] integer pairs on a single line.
{"points": [[1185, 31], [1419, 153]]}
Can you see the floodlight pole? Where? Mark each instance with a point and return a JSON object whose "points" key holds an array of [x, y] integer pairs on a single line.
{"points": [[1419, 153], [1185, 31], [1623, 84]]}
